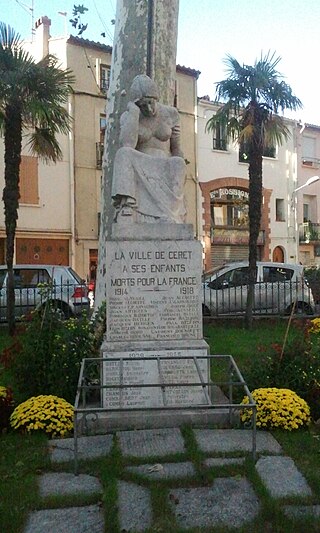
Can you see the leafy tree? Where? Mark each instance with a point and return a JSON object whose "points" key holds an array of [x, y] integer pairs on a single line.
{"points": [[251, 97], [76, 21], [32, 104]]}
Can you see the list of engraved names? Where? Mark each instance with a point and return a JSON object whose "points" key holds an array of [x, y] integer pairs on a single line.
{"points": [[154, 290]]}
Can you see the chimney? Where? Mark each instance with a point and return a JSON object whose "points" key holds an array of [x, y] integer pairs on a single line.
{"points": [[42, 36]]}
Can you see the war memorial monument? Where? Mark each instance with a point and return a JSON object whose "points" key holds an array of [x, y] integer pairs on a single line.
{"points": [[153, 265]]}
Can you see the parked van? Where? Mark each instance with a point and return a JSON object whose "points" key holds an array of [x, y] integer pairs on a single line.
{"points": [[35, 284], [278, 287]]}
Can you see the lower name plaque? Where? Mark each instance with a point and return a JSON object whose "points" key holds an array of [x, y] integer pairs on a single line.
{"points": [[179, 367]]}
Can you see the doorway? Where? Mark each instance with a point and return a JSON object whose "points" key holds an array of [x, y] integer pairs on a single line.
{"points": [[278, 255]]}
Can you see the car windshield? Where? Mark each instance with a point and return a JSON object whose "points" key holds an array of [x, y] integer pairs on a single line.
{"points": [[215, 270]]}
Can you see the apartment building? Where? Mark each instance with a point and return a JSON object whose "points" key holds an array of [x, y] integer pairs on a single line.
{"points": [[223, 177], [305, 201]]}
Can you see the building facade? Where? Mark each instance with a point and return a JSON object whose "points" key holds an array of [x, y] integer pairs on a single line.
{"points": [[305, 201], [59, 208], [223, 176]]}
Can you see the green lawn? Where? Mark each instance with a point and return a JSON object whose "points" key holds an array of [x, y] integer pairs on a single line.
{"points": [[233, 339], [23, 457]]}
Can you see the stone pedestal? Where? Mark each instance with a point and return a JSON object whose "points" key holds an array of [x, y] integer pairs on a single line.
{"points": [[154, 318]]}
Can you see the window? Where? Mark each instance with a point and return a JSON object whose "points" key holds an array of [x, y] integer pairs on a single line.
{"points": [[280, 217], [276, 274], [308, 151], [268, 151], [233, 278], [229, 207], [104, 78], [100, 144], [219, 137], [25, 278], [306, 215], [28, 182], [103, 125]]}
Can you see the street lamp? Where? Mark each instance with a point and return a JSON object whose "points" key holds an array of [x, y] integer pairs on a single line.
{"points": [[309, 181]]}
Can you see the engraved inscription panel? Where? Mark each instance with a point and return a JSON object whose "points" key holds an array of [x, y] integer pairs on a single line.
{"points": [[142, 372], [154, 290]]}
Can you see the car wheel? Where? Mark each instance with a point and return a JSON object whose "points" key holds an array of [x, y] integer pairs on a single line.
{"points": [[301, 308]]}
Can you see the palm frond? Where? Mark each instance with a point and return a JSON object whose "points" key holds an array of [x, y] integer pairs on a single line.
{"points": [[43, 143], [251, 96], [9, 38]]}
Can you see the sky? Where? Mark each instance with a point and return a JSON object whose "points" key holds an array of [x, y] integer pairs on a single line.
{"points": [[207, 32]]}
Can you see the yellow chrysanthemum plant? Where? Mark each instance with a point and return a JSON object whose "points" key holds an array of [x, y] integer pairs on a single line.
{"points": [[277, 408], [314, 326], [49, 414]]}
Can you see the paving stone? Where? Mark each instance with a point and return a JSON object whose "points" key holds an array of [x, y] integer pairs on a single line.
{"points": [[164, 471], [227, 502], [302, 511], [68, 520], [224, 461], [134, 507], [151, 442], [281, 477], [88, 448], [235, 440], [64, 483]]}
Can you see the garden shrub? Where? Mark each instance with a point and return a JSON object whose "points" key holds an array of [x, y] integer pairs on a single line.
{"points": [[8, 353], [6, 407], [297, 368], [49, 359], [49, 414], [277, 408]]}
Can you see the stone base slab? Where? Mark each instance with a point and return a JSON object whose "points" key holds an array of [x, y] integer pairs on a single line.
{"points": [[123, 420]]}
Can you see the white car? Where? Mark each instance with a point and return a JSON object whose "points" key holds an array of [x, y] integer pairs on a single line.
{"points": [[35, 284], [278, 287]]}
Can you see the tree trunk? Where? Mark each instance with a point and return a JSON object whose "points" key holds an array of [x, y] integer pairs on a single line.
{"points": [[145, 42], [255, 202], [12, 158]]}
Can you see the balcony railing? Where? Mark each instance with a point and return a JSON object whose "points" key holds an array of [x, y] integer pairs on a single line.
{"points": [[99, 154], [309, 232]]}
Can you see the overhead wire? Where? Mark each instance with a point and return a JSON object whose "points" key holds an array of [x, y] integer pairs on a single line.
{"points": [[107, 31], [28, 9]]}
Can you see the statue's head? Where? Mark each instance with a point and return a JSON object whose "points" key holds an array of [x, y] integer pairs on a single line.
{"points": [[143, 87]]}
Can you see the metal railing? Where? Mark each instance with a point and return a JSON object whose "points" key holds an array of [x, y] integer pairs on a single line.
{"points": [[276, 298], [90, 403], [309, 232], [69, 298]]}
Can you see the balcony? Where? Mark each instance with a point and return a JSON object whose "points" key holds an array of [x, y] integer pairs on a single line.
{"points": [[99, 155], [309, 232]]}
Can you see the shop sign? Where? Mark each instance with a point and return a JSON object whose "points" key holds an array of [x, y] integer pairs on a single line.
{"points": [[225, 191]]}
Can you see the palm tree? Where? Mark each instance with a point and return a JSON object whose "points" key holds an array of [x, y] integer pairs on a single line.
{"points": [[252, 96], [32, 103]]}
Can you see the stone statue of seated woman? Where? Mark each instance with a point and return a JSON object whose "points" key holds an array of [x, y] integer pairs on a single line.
{"points": [[149, 169]]}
